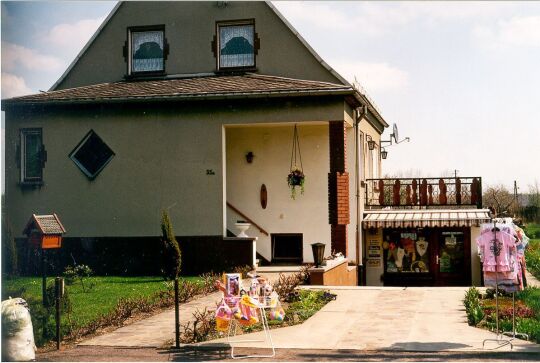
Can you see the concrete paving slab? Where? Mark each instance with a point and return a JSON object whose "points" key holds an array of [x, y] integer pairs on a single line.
{"points": [[153, 331]]}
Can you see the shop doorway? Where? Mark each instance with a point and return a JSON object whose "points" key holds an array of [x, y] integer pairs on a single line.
{"points": [[452, 259], [287, 248]]}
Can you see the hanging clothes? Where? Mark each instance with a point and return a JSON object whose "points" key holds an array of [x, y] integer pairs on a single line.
{"points": [[501, 246]]}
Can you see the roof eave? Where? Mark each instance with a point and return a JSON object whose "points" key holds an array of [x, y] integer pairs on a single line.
{"points": [[194, 97]]}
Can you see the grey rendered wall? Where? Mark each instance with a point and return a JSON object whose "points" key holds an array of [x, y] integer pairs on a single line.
{"points": [[189, 29], [162, 154]]}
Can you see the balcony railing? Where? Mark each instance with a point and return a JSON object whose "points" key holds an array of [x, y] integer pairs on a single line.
{"points": [[424, 192]]}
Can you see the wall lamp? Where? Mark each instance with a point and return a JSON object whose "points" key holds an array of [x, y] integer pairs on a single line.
{"points": [[249, 157], [384, 153], [370, 142]]}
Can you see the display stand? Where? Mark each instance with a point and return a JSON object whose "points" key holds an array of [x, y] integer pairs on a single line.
{"points": [[268, 337], [513, 333], [499, 340]]}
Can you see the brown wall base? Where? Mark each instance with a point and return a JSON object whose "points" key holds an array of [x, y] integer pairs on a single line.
{"points": [[340, 275]]}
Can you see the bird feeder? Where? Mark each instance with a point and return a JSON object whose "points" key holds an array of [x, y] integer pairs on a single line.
{"points": [[45, 231]]}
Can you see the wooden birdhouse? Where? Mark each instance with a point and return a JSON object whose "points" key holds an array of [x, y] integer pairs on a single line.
{"points": [[45, 231]]}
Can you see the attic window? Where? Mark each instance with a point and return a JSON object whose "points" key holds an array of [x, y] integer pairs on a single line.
{"points": [[237, 45], [147, 48], [91, 155]]}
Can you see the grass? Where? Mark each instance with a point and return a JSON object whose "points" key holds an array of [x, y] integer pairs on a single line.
{"points": [[96, 301]]}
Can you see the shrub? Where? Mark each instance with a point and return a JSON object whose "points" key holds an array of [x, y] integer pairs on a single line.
{"points": [[171, 256], [79, 273], [474, 310], [9, 251]]}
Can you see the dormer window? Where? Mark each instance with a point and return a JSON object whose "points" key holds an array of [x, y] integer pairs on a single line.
{"points": [[147, 50], [237, 45]]}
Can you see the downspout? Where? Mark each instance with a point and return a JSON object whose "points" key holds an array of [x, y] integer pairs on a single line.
{"points": [[360, 113]]}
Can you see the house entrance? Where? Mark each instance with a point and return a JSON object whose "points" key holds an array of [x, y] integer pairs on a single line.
{"points": [[452, 258], [287, 248]]}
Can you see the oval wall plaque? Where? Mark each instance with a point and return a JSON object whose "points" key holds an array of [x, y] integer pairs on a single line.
{"points": [[264, 196]]}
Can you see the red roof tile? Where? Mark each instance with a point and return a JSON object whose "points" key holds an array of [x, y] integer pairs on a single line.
{"points": [[196, 87]]}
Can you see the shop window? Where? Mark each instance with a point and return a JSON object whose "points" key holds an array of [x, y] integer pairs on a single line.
{"points": [[91, 155], [32, 156], [146, 50], [236, 46], [406, 251]]}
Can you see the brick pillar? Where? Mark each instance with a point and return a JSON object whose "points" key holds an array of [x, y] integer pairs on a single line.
{"points": [[338, 187]]}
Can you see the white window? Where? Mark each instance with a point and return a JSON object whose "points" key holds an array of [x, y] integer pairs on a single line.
{"points": [[146, 50], [236, 45]]}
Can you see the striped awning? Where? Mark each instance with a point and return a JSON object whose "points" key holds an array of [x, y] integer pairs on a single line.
{"points": [[425, 218]]}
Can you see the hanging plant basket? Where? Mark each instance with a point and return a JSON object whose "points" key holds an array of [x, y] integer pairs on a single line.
{"points": [[296, 177]]}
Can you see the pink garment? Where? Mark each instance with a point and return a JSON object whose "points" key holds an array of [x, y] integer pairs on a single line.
{"points": [[496, 250]]}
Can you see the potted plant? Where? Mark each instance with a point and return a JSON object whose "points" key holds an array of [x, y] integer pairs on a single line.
{"points": [[296, 178]]}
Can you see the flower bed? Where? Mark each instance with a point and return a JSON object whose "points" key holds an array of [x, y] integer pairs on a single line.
{"points": [[481, 311]]}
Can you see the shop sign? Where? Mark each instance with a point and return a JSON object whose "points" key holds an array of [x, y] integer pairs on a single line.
{"points": [[374, 262]]}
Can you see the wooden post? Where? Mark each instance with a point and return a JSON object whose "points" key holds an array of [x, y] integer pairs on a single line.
{"points": [[58, 296], [43, 278], [176, 314]]}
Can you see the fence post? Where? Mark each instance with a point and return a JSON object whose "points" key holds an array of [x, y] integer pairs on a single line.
{"points": [[176, 314]]}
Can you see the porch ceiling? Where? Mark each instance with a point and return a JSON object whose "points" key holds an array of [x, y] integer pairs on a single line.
{"points": [[425, 218]]}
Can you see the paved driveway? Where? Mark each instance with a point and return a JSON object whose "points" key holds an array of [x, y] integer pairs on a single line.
{"points": [[421, 319], [398, 319]]}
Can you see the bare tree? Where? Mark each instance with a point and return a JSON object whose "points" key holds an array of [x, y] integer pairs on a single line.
{"points": [[500, 199]]}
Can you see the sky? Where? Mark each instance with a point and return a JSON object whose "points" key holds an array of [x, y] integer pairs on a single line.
{"points": [[461, 79]]}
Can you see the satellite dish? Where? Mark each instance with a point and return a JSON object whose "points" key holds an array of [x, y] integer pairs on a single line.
{"points": [[396, 137]]}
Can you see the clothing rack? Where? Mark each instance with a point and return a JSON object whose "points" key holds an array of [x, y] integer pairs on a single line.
{"points": [[513, 333], [499, 340]]}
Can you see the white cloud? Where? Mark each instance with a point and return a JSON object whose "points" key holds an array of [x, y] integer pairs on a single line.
{"points": [[382, 18], [13, 86], [373, 76], [71, 37], [14, 56], [521, 31], [320, 14]]}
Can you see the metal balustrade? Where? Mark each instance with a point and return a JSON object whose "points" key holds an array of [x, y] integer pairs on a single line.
{"points": [[424, 192]]}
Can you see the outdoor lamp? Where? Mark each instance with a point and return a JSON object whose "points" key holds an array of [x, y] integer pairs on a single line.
{"points": [[370, 143], [384, 154], [318, 253]]}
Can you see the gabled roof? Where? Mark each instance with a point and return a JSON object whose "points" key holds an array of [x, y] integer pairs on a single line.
{"points": [[47, 224], [359, 96], [205, 87]]}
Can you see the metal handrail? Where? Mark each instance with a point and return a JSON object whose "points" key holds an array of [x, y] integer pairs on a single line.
{"points": [[247, 219]]}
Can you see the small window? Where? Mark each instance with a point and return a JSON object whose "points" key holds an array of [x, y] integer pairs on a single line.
{"points": [[32, 156], [237, 45], [91, 155], [147, 50]]}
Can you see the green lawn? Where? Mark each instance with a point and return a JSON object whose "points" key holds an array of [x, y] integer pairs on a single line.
{"points": [[98, 300], [532, 253]]}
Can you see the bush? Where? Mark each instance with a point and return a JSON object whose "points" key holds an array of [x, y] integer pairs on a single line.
{"points": [[532, 257], [171, 257], [78, 273], [474, 310], [9, 251]]}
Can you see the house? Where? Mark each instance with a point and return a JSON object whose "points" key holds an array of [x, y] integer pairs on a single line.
{"points": [[192, 107]]}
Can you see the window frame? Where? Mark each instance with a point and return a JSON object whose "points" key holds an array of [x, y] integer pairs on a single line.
{"points": [[128, 50], [217, 42], [81, 167], [25, 180]]}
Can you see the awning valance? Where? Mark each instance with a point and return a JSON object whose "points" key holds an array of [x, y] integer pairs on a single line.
{"points": [[425, 218]]}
